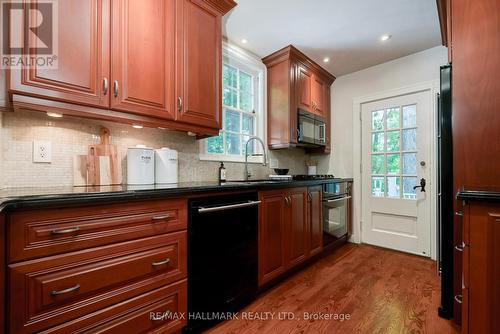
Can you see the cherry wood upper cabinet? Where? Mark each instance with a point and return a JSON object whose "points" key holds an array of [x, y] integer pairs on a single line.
{"points": [[200, 64], [318, 96], [83, 57], [271, 235], [304, 81], [315, 217], [294, 82], [143, 57]]}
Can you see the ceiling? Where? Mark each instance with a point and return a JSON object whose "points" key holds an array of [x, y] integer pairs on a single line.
{"points": [[346, 31]]}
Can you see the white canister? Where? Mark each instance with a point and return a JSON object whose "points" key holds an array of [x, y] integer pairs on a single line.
{"points": [[140, 165], [166, 162]]}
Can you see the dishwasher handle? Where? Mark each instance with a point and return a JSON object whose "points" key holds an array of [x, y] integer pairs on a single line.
{"points": [[227, 207], [337, 199]]}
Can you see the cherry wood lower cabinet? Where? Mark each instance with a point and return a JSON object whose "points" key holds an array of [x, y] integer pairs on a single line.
{"points": [[98, 268], [289, 230], [481, 268]]}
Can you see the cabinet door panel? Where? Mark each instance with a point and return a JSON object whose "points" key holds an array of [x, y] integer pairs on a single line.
{"points": [[315, 221], [304, 80], [296, 222], [143, 57], [317, 96], [271, 236], [83, 57], [200, 62], [484, 272]]}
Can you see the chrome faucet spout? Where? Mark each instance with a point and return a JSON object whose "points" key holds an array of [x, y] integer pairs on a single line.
{"points": [[264, 155]]}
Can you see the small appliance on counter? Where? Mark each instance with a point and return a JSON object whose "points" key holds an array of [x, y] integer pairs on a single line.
{"points": [[140, 165], [312, 167], [166, 165]]}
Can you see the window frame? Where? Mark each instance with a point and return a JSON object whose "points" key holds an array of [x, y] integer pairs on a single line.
{"points": [[249, 64]]}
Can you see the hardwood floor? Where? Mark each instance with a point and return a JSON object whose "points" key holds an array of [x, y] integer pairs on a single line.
{"points": [[381, 291]]}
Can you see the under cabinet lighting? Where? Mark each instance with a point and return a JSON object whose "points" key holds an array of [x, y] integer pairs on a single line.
{"points": [[54, 114], [137, 126], [385, 37]]}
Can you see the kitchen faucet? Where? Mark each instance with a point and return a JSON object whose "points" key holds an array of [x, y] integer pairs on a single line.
{"points": [[254, 155]]}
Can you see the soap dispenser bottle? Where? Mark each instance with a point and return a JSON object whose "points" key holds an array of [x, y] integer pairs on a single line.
{"points": [[222, 173]]}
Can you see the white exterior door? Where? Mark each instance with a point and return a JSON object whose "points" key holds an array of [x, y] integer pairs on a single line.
{"points": [[396, 140]]}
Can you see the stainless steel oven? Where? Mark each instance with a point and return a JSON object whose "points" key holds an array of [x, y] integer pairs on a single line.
{"points": [[335, 215], [311, 129]]}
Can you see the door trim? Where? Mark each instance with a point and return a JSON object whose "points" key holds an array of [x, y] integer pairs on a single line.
{"points": [[431, 86]]}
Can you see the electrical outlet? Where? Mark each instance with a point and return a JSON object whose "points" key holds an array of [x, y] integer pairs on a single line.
{"points": [[42, 151], [273, 163]]}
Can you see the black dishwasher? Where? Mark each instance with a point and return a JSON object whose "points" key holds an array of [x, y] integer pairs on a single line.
{"points": [[222, 257]]}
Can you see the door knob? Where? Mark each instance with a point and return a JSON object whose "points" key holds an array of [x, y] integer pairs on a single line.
{"points": [[421, 186]]}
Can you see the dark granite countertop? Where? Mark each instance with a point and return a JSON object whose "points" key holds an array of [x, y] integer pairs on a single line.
{"points": [[491, 194], [13, 198]]}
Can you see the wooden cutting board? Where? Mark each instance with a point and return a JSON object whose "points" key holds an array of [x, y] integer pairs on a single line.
{"points": [[100, 166]]}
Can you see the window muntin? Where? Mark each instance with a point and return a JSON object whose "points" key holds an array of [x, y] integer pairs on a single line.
{"points": [[394, 152]]}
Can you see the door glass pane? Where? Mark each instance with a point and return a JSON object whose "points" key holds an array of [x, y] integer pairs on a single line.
{"points": [[410, 140], [393, 186], [232, 121], [378, 164], [393, 164], [408, 184], [378, 142], [393, 118], [378, 120], [393, 141], [215, 144], [233, 142], [378, 186], [409, 163], [410, 116]]}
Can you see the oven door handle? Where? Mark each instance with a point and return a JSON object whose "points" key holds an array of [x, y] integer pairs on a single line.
{"points": [[337, 199]]}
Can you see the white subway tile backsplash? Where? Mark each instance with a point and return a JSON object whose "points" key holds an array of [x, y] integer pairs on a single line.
{"points": [[71, 136]]}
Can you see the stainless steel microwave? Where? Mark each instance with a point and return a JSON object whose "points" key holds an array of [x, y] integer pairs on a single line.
{"points": [[311, 129]]}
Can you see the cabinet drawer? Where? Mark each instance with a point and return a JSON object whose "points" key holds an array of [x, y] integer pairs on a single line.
{"points": [[38, 233], [134, 315], [52, 290]]}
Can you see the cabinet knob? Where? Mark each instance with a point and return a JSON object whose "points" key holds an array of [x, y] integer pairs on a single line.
{"points": [[116, 88]]}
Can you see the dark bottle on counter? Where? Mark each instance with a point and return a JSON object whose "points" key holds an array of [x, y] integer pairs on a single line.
{"points": [[222, 173]]}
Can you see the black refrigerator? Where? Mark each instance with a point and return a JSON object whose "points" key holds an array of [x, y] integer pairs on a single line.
{"points": [[445, 213]]}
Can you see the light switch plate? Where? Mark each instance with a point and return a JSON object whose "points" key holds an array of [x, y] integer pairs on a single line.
{"points": [[42, 151], [273, 163]]}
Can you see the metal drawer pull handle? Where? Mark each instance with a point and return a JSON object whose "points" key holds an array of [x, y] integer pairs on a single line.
{"points": [[116, 88], [338, 199], [60, 292], [179, 103], [105, 86], [228, 207], [460, 247], [159, 263], [66, 231], [160, 217], [459, 213], [458, 299]]}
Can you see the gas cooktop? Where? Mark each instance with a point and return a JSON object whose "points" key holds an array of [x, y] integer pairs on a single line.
{"points": [[312, 177]]}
